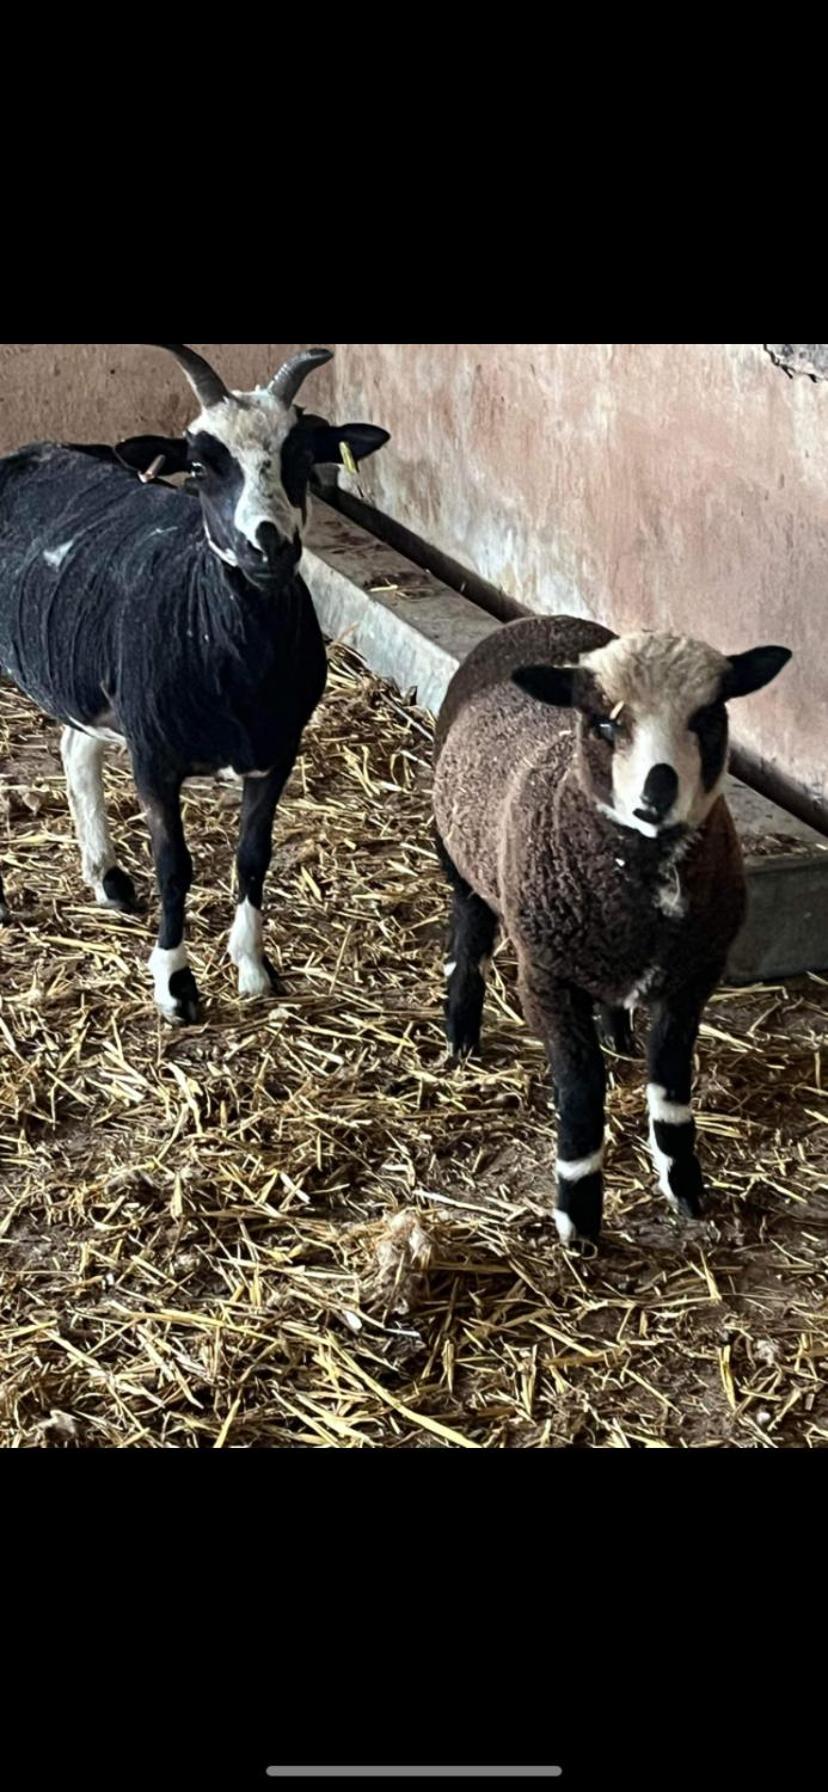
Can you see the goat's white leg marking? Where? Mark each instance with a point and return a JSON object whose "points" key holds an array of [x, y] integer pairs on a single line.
{"points": [[163, 965], [246, 949], [83, 763], [671, 1113]]}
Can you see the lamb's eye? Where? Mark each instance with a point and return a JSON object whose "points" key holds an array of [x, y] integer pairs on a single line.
{"points": [[606, 729], [197, 469]]}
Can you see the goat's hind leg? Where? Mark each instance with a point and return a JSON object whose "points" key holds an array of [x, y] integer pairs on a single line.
{"points": [[471, 942], [82, 757]]}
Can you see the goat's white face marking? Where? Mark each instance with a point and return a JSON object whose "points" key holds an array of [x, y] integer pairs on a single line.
{"points": [[254, 430], [656, 683]]}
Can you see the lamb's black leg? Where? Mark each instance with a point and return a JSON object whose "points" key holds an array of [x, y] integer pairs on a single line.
{"points": [[261, 795], [175, 986], [563, 1018], [673, 1032], [471, 942], [615, 1029]]}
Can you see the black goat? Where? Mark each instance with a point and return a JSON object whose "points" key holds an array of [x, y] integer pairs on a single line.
{"points": [[181, 630]]}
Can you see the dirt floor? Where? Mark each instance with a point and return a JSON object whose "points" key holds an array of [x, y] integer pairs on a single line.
{"points": [[297, 1224]]}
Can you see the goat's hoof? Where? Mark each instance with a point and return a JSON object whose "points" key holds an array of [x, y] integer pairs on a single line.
{"points": [[257, 978], [183, 1008], [117, 891]]}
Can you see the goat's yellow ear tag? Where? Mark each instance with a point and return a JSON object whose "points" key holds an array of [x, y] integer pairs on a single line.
{"points": [[348, 461]]}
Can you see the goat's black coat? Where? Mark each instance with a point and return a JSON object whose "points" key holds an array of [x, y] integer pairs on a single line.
{"points": [[139, 627]]}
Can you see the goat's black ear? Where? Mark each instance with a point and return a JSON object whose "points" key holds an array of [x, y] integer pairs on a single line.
{"points": [[751, 671], [140, 451], [549, 684], [361, 438]]}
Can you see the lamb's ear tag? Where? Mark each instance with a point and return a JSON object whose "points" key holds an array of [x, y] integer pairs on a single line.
{"points": [[152, 471], [348, 461]]}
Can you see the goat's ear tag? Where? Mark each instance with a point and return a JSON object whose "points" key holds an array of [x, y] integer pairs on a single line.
{"points": [[152, 471], [348, 461]]}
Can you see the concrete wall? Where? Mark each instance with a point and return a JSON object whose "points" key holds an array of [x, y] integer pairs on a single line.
{"points": [[679, 485], [94, 392]]}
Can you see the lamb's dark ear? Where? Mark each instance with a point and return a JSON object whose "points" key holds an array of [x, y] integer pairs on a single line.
{"points": [[748, 672], [140, 451], [549, 684], [361, 438]]}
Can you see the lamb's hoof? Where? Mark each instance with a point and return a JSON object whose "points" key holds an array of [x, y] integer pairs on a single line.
{"points": [[462, 1040], [183, 1008], [574, 1237], [687, 1191], [117, 891]]}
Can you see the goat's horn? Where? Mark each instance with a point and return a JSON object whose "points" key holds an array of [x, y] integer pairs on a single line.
{"points": [[207, 386], [286, 383]]}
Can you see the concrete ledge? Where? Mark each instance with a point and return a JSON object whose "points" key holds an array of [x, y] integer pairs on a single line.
{"points": [[414, 630], [407, 626]]}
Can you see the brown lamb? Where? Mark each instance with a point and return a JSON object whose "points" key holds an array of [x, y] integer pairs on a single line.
{"points": [[577, 799]]}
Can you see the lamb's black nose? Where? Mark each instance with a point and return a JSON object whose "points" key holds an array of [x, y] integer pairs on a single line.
{"points": [[659, 793]]}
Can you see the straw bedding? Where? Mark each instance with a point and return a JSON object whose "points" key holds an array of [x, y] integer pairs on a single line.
{"points": [[296, 1225]]}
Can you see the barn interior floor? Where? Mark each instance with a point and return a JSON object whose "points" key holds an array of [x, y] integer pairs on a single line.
{"points": [[296, 1224]]}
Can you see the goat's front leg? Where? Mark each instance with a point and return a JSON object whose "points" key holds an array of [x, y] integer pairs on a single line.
{"points": [[673, 1033], [175, 986], [260, 798], [563, 1017]]}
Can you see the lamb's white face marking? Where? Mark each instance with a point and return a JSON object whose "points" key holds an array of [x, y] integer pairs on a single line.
{"points": [[56, 556], [246, 950], [82, 762], [162, 966], [254, 431], [655, 684]]}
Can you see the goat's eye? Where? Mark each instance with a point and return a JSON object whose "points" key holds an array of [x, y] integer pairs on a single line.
{"points": [[197, 469], [606, 729]]}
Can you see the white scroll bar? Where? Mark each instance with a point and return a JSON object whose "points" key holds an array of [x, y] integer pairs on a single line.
{"points": [[416, 1773]]}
